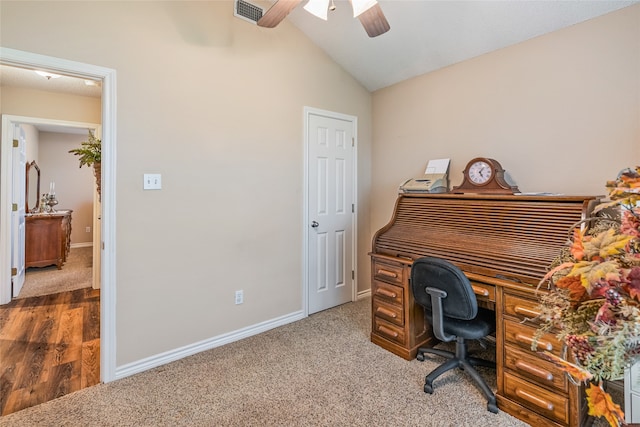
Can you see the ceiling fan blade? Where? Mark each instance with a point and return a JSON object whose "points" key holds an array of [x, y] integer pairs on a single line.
{"points": [[277, 13], [373, 21]]}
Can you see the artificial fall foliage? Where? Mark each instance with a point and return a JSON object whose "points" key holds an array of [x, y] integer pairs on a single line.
{"points": [[593, 303], [601, 405], [577, 372]]}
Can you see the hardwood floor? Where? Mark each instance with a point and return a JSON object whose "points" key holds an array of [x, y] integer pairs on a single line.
{"points": [[49, 347]]}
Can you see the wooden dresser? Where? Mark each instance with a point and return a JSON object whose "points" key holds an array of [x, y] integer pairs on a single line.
{"points": [[504, 244], [47, 238]]}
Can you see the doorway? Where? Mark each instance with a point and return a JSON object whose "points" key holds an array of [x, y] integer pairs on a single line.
{"points": [[330, 209], [73, 190], [50, 352], [106, 244]]}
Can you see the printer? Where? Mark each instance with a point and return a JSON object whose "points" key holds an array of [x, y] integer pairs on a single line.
{"points": [[435, 179]]}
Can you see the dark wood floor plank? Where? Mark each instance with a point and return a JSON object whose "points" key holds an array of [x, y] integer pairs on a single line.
{"points": [[12, 352], [90, 363], [9, 310], [20, 327], [65, 379], [91, 321], [17, 400], [49, 347], [33, 365], [7, 382]]}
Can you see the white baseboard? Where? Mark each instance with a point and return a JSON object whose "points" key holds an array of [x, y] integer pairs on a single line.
{"points": [[363, 294], [81, 245], [191, 349]]}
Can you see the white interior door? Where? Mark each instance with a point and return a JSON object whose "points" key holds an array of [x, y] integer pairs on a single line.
{"points": [[330, 196], [19, 158]]}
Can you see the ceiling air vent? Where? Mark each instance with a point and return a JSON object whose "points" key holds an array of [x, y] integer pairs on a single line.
{"points": [[247, 11]]}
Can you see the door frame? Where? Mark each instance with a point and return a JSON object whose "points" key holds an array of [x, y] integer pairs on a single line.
{"points": [[308, 111], [31, 60]]}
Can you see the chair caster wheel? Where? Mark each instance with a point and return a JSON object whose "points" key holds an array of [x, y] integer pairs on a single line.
{"points": [[492, 407], [420, 357], [428, 388]]}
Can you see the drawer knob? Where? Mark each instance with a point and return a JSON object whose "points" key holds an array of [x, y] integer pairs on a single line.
{"points": [[534, 370], [478, 290], [386, 312], [526, 312], [539, 402], [529, 340], [386, 293], [387, 331], [387, 273]]}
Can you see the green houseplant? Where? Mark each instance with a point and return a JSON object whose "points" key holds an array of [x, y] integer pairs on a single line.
{"points": [[90, 153]]}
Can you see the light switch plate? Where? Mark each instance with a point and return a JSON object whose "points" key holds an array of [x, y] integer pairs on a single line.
{"points": [[152, 181]]}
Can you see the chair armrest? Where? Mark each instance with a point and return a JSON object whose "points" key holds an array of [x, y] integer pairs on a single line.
{"points": [[436, 310]]}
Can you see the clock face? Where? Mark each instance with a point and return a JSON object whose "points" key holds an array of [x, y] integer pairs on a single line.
{"points": [[480, 172]]}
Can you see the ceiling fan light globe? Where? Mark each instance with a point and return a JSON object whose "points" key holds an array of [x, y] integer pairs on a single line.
{"points": [[361, 6], [318, 8]]}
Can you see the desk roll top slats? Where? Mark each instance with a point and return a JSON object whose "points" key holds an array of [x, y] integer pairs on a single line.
{"points": [[505, 245]]}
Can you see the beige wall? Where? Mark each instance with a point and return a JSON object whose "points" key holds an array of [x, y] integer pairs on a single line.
{"points": [[215, 105], [560, 112], [32, 138], [27, 102]]}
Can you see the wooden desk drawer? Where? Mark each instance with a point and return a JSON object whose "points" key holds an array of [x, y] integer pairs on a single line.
{"points": [[522, 308], [484, 291], [392, 313], [388, 272], [522, 336], [552, 405], [388, 292], [536, 369], [388, 330]]}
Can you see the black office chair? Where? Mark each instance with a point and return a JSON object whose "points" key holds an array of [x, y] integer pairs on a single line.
{"points": [[451, 308]]}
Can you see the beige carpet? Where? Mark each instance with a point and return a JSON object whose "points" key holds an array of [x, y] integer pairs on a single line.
{"points": [[320, 371], [75, 274]]}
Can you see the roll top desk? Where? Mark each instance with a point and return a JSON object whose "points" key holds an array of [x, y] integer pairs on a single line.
{"points": [[505, 245]]}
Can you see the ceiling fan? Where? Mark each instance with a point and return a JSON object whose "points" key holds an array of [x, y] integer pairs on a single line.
{"points": [[367, 11]]}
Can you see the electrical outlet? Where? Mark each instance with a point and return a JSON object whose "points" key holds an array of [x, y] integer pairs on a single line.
{"points": [[88, 229], [239, 297]]}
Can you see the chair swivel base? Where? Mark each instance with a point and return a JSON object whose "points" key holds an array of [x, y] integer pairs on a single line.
{"points": [[463, 363]]}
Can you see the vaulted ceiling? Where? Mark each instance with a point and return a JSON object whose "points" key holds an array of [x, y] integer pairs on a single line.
{"points": [[428, 35]]}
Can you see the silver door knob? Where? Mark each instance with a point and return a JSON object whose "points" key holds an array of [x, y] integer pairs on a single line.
{"points": [[314, 224]]}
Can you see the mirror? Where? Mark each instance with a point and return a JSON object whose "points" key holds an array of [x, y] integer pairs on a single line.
{"points": [[32, 200]]}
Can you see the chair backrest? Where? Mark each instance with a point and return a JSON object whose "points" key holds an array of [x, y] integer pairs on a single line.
{"points": [[438, 273]]}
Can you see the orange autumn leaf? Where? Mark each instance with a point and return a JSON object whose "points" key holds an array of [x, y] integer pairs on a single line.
{"points": [[605, 244], [601, 405], [578, 373], [630, 181], [591, 272], [574, 285], [554, 271], [577, 248]]}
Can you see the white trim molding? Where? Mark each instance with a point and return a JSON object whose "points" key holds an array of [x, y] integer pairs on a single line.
{"points": [[24, 59]]}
